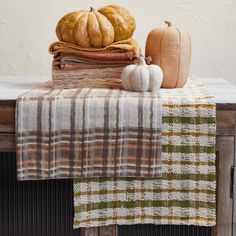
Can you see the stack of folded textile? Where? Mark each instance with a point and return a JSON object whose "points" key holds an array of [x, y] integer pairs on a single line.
{"points": [[75, 66]]}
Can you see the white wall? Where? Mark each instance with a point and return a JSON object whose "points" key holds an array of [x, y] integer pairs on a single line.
{"points": [[27, 28]]}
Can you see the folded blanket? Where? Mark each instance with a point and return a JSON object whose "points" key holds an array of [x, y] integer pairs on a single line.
{"points": [[73, 57], [77, 66], [125, 45], [185, 194], [71, 62], [97, 56], [87, 132]]}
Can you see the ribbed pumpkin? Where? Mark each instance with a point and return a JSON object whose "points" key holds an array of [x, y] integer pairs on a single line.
{"points": [[121, 19], [170, 48], [96, 28], [142, 77]]}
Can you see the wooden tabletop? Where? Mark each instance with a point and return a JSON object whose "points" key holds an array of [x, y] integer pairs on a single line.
{"points": [[13, 86]]}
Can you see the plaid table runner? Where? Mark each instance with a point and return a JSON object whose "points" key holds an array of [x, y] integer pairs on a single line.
{"points": [[87, 132], [186, 192]]}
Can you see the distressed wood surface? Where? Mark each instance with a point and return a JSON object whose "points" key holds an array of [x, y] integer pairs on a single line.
{"points": [[7, 142], [93, 231], [7, 115], [225, 148], [226, 122], [100, 231], [234, 189], [7, 128], [108, 230]]}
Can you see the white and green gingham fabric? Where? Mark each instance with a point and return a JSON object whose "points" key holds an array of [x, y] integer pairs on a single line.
{"points": [[186, 192]]}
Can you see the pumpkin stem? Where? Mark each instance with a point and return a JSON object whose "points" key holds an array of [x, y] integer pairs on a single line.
{"points": [[168, 23], [142, 61], [92, 9]]}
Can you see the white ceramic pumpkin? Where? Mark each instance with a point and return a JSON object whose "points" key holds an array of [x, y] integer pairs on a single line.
{"points": [[142, 77]]}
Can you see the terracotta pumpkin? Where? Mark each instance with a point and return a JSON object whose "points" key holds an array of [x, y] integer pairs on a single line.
{"points": [[96, 28], [170, 48], [142, 77]]}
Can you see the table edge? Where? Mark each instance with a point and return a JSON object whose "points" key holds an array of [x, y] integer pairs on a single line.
{"points": [[219, 106]]}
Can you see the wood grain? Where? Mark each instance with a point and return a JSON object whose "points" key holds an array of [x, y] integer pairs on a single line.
{"points": [[7, 127], [100, 231], [225, 147], [226, 122], [226, 106], [7, 115], [234, 189], [108, 230], [7, 142], [93, 231], [11, 103]]}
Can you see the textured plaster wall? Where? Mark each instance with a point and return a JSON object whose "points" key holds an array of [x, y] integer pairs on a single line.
{"points": [[27, 28]]}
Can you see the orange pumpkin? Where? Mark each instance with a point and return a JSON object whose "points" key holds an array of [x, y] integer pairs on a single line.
{"points": [[96, 28], [170, 48]]}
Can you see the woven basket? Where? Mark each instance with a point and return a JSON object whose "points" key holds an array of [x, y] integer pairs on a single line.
{"points": [[87, 78]]}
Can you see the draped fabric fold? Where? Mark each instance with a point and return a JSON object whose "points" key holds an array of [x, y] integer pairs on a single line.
{"points": [[69, 133], [186, 192]]}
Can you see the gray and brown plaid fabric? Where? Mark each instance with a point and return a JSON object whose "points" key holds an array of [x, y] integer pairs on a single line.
{"points": [[87, 132]]}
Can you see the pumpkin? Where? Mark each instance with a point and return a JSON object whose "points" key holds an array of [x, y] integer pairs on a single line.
{"points": [[142, 77], [96, 28], [121, 19], [170, 48]]}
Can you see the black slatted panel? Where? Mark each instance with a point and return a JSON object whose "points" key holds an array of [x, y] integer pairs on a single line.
{"points": [[34, 208], [45, 208]]}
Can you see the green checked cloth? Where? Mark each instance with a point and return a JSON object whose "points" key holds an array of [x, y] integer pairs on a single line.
{"points": [[185, 194]]}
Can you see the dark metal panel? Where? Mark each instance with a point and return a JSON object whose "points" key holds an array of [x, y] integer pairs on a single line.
{"points": [[34, 208]]}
